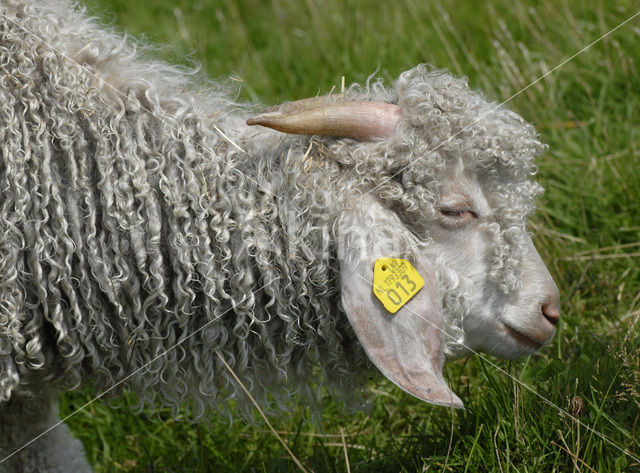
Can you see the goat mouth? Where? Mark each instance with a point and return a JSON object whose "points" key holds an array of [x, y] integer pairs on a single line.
{"points": [[524, 339]]}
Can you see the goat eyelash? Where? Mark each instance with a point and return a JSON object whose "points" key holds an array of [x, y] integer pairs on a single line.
{"points": [[457, 218], [458, 213]]}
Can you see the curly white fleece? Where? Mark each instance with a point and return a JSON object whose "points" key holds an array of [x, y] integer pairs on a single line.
{"points": [[128, 221]]}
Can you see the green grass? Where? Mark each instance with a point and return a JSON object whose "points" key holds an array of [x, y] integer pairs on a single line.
{"points": [[588, 112]]}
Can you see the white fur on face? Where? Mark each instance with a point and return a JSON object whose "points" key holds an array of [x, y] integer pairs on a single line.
{"points": [[478, 313]]}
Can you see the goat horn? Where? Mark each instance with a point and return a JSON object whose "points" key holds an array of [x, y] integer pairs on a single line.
{"points": [[320, 116]]}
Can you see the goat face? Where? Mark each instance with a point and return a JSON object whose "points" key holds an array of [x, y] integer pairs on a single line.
{"points": [[503, 323]]}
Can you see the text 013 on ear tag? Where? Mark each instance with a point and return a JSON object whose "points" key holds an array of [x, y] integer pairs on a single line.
{"points": [[395, 281]]}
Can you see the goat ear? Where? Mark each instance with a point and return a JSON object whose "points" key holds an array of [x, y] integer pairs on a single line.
{"points": [[408, 346]]}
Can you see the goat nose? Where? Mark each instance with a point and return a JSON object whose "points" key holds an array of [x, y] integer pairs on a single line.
{"points": [[551, 311]]}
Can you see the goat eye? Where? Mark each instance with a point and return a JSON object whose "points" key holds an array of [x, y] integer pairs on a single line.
{"points": [[455, 213], [457, 216]]}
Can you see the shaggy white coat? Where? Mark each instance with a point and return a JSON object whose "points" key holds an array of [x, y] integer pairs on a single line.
{"points": [[137, 207]]}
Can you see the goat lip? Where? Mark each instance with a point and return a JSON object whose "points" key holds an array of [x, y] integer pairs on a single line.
{"points": [[524, 339]]}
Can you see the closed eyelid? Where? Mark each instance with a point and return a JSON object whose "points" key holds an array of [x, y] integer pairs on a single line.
{"points": [[457, 205], [458, 211], [458, 202]]}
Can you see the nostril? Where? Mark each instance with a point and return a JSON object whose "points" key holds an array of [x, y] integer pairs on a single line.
{"points": [[551, 312]]}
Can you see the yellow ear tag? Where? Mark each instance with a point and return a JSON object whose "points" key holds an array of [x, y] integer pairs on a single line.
{"points": [[395, 281]]}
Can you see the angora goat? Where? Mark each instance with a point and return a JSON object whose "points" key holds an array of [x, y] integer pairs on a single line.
{"points": [[143, 223]]}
